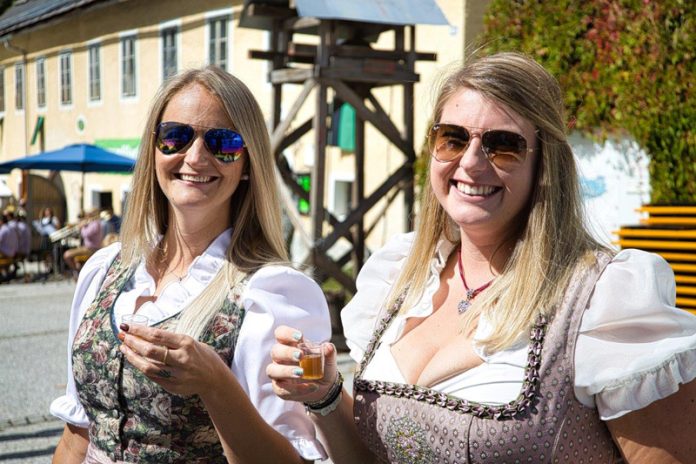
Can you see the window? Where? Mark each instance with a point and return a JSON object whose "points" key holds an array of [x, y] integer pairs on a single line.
{"points": [[169, 65], [217, 44], [41, 82], [2, 90], [128, 66], [94, 72], [342, 195], [19, 86], [66, 78]]}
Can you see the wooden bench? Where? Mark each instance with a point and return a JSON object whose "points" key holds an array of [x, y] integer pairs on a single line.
{"points": [[669, 231]]}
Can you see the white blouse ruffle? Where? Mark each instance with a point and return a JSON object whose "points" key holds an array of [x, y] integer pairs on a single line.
{"points": [[631, 314], [274, 295]]}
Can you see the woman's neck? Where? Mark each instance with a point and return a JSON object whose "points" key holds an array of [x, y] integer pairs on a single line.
{"points": [[483, 260], [184, 241]]}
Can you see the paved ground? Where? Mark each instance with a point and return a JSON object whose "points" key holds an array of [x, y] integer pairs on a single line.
{"points": [[33, 337]]}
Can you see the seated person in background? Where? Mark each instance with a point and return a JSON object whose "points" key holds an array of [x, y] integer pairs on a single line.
{"points": [[45, 226], [91, 235], [111, 223], [9, 242], [24, 236], [8, 247]]}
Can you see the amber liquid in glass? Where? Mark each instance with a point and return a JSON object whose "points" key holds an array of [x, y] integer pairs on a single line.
{"points": [[312, 366]]}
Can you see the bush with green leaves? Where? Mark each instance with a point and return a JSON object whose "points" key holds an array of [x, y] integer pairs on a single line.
{"points": [[625, 66]]}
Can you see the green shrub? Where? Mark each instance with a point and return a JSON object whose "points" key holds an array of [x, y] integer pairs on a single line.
{"points": [[626, 67]]}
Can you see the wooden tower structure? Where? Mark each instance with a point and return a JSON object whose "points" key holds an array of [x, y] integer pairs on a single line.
{"points": [[341, 63]]}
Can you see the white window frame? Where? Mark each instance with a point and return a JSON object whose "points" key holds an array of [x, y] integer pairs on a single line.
{"points": [[69, 55], [41, 82], [20, 86], [168, 25], [133, 34], [213, 16], [333, 179], [92, 45]]}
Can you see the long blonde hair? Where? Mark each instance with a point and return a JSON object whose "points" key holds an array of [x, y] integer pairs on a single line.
{"points": [[551, 239], [257, 238]]}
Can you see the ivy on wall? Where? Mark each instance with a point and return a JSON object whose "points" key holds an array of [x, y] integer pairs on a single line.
{"points": [[626, 67]]}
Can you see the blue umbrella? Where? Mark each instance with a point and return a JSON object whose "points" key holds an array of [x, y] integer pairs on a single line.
{"points": [[79, 157]]}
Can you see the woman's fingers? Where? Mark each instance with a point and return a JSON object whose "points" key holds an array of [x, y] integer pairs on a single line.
{"points": [[149, 350], [287, 335], [277, 371], [285, 354], [294, 390], [157, 336], [155, 370]]}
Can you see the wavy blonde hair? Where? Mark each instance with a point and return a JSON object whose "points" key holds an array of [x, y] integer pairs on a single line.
{"points": [[551, 239], [257, 238]]}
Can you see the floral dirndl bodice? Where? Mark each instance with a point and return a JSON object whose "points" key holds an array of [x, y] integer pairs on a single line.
{"points": [[132, 418], [409, 424]]}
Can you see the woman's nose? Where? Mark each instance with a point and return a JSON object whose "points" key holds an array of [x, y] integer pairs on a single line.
{"points": [[473, 157], [197, 153]]}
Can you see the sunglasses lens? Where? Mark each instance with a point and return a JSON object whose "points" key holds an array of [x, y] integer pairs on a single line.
{"points": [[224, 144], [173, 137], [446, 141], [505, 149]]}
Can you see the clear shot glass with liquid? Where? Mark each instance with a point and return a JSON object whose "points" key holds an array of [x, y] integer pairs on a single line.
{"points": [[312, 360]]}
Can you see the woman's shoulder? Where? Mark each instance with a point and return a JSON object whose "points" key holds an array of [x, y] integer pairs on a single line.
{"points": [[278, 277], [102, 258], [385, 264], [633, 267], [283, 285]]}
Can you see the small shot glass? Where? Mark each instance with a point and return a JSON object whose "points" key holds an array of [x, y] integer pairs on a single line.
{"points": [[135, 319], [312, 360]]}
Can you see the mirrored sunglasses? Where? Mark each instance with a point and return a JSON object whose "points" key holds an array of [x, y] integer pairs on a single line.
{"points": [[505, 149], [225, 145]]}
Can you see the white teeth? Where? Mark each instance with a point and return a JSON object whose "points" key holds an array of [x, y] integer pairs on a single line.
{"points": [[190, 178], [483, 190]]}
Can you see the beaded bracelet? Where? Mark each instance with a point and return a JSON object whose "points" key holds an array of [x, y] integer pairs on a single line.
{"points": [[330, 401]]}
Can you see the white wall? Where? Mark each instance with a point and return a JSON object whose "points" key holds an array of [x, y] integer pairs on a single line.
{"points": [[615, 181]]}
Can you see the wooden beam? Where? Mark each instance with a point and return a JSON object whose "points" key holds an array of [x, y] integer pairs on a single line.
{"points": [[670, 220], [279, 131], [370, 73], [386, 128], [272, 56], [684, 279], [332, 269], [294, 136], [290, 75], [257, 9], [657, 245], [687, 303], [677, 256], [681, 267], [656, 233], [658, 210], [685, 290], [355, 215]]}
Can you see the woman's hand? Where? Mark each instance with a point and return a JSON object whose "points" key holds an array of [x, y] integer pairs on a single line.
{"points": [[180, 364], [286, 373]]}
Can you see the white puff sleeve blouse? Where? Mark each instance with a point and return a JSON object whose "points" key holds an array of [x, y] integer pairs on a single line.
{"points": [[274, 295], [634, 346]]}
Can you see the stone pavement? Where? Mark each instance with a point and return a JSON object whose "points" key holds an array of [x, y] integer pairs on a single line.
{"points": [[33, 336]]}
